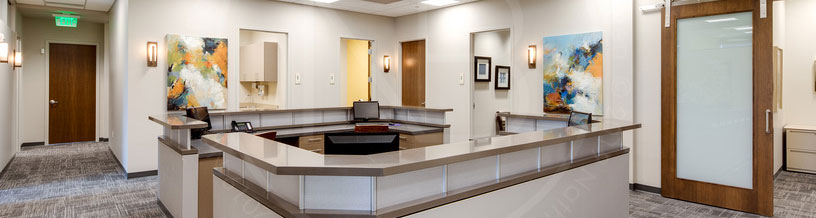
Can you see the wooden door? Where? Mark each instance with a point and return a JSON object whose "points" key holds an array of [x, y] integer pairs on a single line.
{"points": [[756, 195], [72, 93], [413, 73]]}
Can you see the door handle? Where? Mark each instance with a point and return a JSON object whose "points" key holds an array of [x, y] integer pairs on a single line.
{"points": [[53, 102], [768, 121]]}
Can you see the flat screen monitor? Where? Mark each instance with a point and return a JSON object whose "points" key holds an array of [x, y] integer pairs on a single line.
{"points": [[579, 118], [366, 110], [361, 143], [199, 113]]}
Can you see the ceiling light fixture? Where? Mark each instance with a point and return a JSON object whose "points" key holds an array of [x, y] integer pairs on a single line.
{"points": [[325, 1], [439, 2], [721, 20]]}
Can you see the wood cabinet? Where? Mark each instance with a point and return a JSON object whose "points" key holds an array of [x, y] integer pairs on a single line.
{"points": [[259, 62], [801, 149], [312, 143], [205, 185], [408, 141]]}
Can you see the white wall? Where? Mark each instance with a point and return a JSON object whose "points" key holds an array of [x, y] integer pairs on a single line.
{"points": [[779, 115], [313, 34], [647, 95], [117, 40], [9, 79], [486, 99], [448, 51], [34, 109], [800, 28]]}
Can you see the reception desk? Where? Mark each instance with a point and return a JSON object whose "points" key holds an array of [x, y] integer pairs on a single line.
{"points": [[564, 172], [185, 165]]}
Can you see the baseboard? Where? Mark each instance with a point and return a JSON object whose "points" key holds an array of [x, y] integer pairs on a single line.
{"points": [[778, 172], [117, 162], [142, 174], [26, 144], [103, 139], [3, 172], [164, 209], [645, 188]]}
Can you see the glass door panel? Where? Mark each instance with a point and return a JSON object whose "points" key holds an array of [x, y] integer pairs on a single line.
{"points": [[715, 99]]}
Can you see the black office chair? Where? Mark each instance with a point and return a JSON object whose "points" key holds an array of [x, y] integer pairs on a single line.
{"points": [[579, 118], [202, 114]]}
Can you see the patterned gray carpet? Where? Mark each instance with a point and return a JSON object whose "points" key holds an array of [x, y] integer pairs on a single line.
{"points": [[794, 196], [83, 180], [74, 180]]}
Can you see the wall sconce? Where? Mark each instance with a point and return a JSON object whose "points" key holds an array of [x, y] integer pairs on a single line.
{"points": [[531, 56], [18, 59], [152, 54], [4, 52], [386, 63]]}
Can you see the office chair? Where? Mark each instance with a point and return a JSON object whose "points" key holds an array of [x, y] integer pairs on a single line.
{"points": [[579, 118], [202, 114]]}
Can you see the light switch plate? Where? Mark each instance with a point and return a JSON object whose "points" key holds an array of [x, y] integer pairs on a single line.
{"points": [[297, 79], [461, 78], [331, 79]]}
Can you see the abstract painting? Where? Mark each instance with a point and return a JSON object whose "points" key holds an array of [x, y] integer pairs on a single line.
{"points": [[196, 72], [573, 73]]}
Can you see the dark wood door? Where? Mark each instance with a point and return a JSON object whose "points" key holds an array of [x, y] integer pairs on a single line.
{"points": [[757, 195], [413, 73], [72, 93]]}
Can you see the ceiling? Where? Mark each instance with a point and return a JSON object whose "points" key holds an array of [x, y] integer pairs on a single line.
{"points": [[390, 8], [92, 5]]}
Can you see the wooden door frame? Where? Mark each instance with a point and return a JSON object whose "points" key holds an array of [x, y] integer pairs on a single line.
{"points": [[371, 63], [759, 199], [98, 84], [399, 76], [471, 67]]}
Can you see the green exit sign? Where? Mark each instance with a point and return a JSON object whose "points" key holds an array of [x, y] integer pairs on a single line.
{"points": [[66, 20]]}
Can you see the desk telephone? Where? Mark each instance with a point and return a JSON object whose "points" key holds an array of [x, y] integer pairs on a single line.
{"points": [[242, 126]]}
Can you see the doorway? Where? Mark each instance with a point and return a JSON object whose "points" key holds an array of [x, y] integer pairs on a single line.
{"points": [[357, 55], [486, 99], [71, 93], [413, 73], [717, 140]]}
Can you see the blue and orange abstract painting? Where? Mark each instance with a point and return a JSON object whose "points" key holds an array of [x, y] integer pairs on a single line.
{"points": [[196, 72], [573, 73]]}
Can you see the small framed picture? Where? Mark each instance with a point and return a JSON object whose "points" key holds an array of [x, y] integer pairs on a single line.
{"points": [[482, 71], [502, 77]]}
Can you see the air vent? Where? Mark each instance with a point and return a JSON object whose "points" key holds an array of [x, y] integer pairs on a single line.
{"points": [[383, 1]]}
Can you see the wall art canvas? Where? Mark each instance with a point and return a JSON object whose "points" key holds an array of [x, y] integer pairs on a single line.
{"points": [[573, 73], [196, 72]]}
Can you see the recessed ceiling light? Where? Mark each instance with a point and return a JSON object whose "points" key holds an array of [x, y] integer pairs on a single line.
{"points": [[325, 1], [721, 20], [439, 2], [744, 28]]}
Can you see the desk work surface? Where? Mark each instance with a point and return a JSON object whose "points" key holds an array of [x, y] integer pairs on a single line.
{"points": [[314, 130], [177, 121], [283, 159]]}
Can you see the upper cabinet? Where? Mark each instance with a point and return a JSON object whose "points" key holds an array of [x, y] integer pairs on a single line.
{"points": [[259, 62]]}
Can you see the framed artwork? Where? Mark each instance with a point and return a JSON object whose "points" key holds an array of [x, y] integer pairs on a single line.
{"points": [[573, 73], [196, 72], [777, 77], [481, 72], [502, 77]]}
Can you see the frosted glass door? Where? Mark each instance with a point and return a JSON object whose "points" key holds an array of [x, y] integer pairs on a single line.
{"points": [[715, 99]]}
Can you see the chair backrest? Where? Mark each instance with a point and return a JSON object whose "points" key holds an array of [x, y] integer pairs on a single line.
{"points": [[579, 118], [202, 114]]}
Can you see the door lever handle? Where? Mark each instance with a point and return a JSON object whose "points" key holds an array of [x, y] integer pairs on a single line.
{"points": [[53, 102]]}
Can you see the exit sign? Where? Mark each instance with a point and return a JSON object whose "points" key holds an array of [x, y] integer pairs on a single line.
{"points": [[66, 20]]}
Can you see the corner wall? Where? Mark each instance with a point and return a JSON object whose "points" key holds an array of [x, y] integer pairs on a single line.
{"points": [[9, 82], [117, 40]]}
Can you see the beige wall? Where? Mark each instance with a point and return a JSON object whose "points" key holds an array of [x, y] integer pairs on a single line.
{"points": [[39, 31], [356, 70], [9, 92]]}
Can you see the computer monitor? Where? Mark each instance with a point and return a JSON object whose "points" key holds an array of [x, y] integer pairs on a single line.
{"points": [[366, 110], [202, 114], [350, 143], [579, 118]]}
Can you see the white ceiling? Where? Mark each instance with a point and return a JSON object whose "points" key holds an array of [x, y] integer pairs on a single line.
{"points": [[396, 9], [93, 5]]}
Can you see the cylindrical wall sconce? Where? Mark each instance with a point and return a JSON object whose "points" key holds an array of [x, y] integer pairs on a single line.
{"points": [[152, 54], [531, 56], [18, 59], [386, 63]]}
